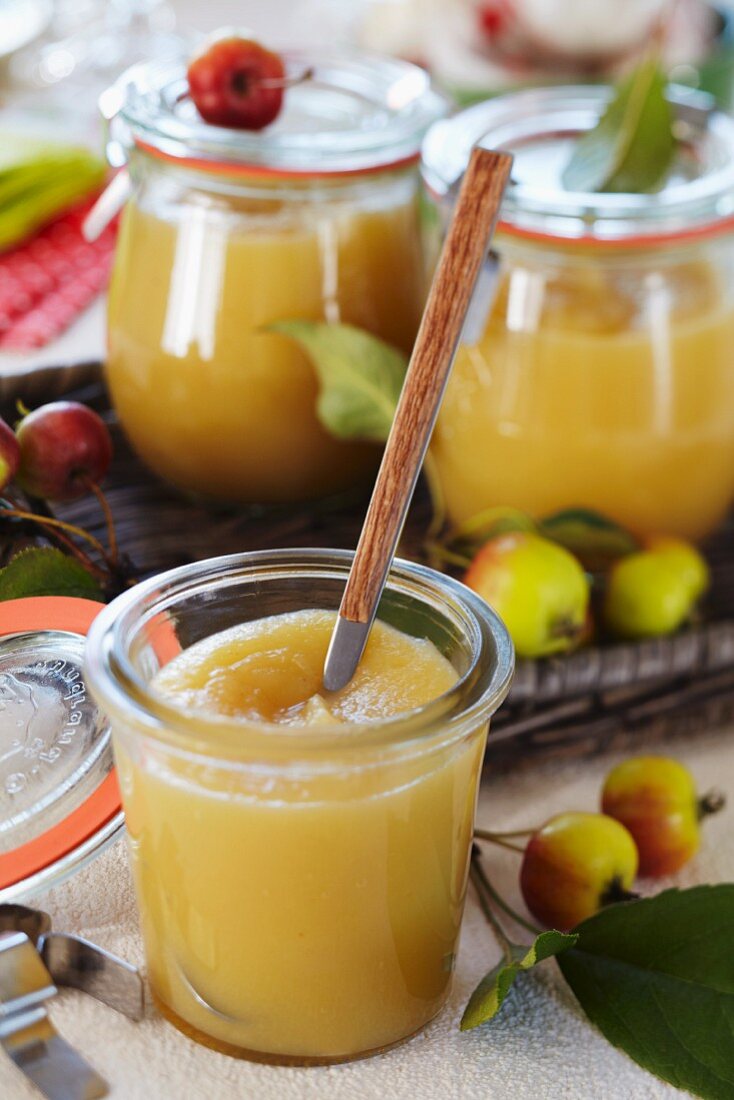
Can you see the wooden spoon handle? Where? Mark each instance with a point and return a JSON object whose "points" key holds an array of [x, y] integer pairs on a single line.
{"points": [[463, 252]]}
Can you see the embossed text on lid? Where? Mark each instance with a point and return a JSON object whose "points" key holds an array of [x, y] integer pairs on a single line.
{"points": [[54, 743]]}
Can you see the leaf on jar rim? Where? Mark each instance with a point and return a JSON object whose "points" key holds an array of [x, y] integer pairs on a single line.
{"points": [[632, 146], [656, 976], [486, 1000], [45, 571], [360, 377]]}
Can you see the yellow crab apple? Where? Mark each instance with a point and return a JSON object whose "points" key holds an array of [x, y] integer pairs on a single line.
{"points": [[537, 588]]}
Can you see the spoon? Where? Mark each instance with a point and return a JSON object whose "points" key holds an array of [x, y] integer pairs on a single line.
{"points": [[464, 250]]}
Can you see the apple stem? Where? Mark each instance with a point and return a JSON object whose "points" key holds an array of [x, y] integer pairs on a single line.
{"points": [[477, 877], [498, 838], [93, 487], [58, 525], [490, 833], [439, 553], [615, 892], [565, 628], [286, 81], [438, 504], [62, 541], [710, 803], [498, 900]]}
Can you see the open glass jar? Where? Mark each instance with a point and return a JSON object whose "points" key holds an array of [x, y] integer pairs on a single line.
{"points": [[227, 232], [598, 367], [300, 888]]}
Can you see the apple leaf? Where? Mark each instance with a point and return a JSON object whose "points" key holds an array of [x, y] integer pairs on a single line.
{"points": [[656, 976], [632, 146], [45, 571], [595, 540], [360, 377], [486, 1000]]}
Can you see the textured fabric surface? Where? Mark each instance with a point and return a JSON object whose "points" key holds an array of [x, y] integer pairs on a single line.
{"points": [[540, 1048]]}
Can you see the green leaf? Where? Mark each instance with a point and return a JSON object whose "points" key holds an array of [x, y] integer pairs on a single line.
{"points": [[595, 540], [46, 572], [656, 976], [631, 148], [360, 377], [486, 1000]]}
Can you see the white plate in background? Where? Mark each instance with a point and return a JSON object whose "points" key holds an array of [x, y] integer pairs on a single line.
{"points": [[21, 21]]}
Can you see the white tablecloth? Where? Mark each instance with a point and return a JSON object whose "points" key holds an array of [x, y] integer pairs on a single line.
{"points": [[540, 1048]]}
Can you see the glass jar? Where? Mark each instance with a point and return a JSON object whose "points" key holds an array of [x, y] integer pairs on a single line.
{"points": [[597, 368], [300, 888], [227, 232]]}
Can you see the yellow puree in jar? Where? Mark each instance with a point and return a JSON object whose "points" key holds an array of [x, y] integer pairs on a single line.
{"points": [[290, 912], [212, 402], [586, 391]]}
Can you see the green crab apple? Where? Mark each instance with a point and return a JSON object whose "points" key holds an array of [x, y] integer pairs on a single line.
{"points": [[652, 592]]}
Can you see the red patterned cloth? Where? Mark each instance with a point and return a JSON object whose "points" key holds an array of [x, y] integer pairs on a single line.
{"points": [[48, 281]]}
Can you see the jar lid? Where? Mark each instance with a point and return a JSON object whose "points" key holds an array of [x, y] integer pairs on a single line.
{"points": [[59, 800], [356, 112], [540, 127]]}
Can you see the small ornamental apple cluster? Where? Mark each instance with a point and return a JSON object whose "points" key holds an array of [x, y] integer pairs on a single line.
{"points": [[550, 603], [579, 862], [58, 453]]}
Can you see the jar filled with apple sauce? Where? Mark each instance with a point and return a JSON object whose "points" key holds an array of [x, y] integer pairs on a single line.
{"points": [[597, 367], [228, 232]]}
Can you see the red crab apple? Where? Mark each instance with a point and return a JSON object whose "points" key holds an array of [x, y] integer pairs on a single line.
{"points": [[237, 82], [655, 798], [63, 446], [9, 455]]}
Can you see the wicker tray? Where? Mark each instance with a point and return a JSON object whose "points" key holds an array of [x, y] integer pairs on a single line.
{"points": [[598, 698]]}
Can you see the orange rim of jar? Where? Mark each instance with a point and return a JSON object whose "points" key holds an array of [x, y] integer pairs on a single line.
{"points": [[229, 168], [36, 613]]}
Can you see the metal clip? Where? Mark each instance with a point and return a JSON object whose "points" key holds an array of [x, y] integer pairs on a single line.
{"points": [[78, 964], [26, 1032]]}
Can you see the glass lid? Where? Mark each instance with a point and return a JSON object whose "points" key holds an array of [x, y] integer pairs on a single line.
{"points": [[540, 127], [59, 802], [354, 112]]}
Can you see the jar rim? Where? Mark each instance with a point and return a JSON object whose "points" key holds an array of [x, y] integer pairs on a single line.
{"points": [[539, 125], [358, 112], [467, 704]]}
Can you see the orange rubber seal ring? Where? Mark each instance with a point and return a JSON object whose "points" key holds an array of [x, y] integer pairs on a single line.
{"points": [[261, 171], [76, 615]]}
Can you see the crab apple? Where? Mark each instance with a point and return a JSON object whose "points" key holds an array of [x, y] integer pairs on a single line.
{"points": [[655, 798], [63, 446], [9, 455], [238, 83], [536, 587], [691, 563], [654, 591], [575, 864]]}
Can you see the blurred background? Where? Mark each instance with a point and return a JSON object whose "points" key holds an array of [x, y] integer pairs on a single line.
{"points": [[57, 56]]}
